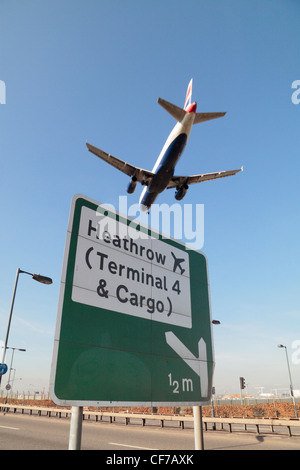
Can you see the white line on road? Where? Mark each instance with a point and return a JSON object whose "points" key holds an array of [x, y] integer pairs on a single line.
{"points": [[133, 447], [8, 427]]}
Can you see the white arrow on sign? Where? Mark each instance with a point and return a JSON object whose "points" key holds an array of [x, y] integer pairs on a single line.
{"points": [[197, 364]]}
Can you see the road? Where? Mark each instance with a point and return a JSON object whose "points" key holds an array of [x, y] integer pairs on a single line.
{"points": [[24, 432]]}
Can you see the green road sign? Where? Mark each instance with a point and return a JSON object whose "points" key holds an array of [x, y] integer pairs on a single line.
{"points": [[133, 324]]}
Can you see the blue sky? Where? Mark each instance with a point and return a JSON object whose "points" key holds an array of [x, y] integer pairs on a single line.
{"points": [[78, 71]]}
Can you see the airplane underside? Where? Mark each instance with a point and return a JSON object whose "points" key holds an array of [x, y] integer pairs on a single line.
{"points": [[148, 199], [164, 171], [162, 175]]}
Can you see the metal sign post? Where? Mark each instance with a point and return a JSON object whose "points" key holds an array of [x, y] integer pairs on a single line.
{"points": [[75, 428], [198, 428]]}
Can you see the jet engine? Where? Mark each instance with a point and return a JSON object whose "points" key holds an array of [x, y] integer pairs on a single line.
{"points": [[132, 185], [181, 192]]}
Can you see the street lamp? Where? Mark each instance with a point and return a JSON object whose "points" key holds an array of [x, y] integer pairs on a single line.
{"points": [[11, 362], [291, 384], [36, 277], [39, 278]]}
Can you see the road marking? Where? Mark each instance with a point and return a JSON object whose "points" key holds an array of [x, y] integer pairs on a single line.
{"points": [[8, 427], [133, 447]]}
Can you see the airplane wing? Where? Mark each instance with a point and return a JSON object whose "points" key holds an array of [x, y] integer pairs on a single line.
{"points": [[181, 180], [143, 176]]}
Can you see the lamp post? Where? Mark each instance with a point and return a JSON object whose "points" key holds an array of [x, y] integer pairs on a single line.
{"points": [[291, 384], [10, 368], [36, 277]]}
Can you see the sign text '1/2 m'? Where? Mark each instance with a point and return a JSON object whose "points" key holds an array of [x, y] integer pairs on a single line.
{"points": [[186, 385]]}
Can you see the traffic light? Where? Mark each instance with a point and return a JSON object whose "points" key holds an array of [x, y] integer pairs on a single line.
{"points": [[242, 383]]}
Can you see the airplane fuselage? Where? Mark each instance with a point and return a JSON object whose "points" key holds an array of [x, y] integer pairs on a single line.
{"points": [[165, 165], [162, 175]]}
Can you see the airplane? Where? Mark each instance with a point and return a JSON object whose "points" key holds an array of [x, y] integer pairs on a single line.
{"points": [[162, 175], [177, 263]]}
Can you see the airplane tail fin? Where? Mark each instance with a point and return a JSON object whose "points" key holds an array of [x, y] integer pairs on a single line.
{"points": [[179, 113], [188, 98], [175, 111]]}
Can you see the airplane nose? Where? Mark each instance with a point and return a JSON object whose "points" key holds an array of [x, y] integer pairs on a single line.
{"points": [[144, 208]]}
